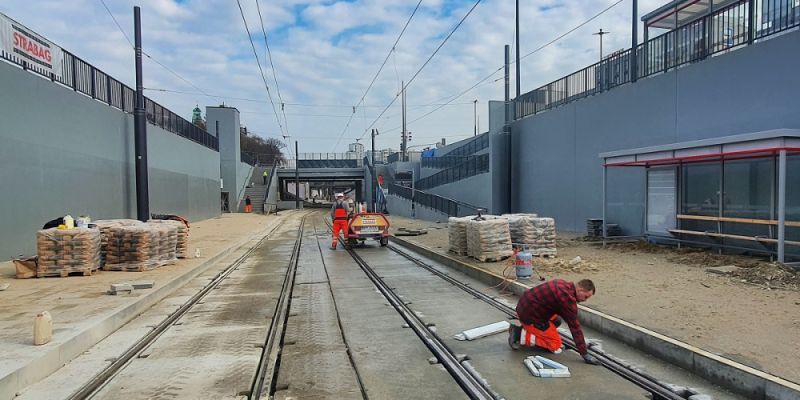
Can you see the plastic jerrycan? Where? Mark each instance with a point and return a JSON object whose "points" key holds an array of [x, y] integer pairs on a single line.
{"points": [[42, 328]]}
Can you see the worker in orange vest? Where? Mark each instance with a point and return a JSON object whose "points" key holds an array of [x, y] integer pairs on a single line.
{"points": [[339, 213]]}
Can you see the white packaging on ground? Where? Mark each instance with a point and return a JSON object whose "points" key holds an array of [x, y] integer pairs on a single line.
{"points": [[546, 368], [483, 331], [488, 238]]}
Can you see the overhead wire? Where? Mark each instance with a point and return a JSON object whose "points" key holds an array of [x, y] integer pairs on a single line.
{"points": [[521, 58], [452, 31], [272, 66], [170, 70], [391, 50], [261, 70]]}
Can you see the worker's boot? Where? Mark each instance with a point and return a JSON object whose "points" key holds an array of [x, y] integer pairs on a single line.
{"points": [[514, 333], [333, 246]]}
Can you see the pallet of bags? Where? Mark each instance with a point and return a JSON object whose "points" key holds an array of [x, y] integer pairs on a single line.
{"points": [[539, 234], [67, 251], [133, 248], [182, 246], [105, 226], [457, 234], [489, 238], [168, 241]]}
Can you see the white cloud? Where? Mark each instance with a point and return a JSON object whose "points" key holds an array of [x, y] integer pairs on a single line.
{"points": [[326, 52]]}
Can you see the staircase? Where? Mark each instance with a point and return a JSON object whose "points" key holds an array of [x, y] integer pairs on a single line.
{"points": [[257, 192]]}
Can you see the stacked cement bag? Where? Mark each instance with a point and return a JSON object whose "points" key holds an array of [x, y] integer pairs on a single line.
{"points": [[488, 238], [182, 246], [65, 251], [133, 248], [539, 234], [105, 226], [168, 241], [457, 234]]}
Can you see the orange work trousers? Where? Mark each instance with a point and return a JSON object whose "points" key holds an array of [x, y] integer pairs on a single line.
{"points": [[248, 208], [548, 339], [339, 225]]}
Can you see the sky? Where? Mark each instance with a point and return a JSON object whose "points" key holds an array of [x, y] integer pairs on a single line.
{"points": [[325, 54]]}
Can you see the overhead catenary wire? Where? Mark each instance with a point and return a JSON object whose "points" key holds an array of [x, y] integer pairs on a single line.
{"points": [[272, 65], [452, 31], [542, 47], [383, 64], [261, 70], [168, 69]]}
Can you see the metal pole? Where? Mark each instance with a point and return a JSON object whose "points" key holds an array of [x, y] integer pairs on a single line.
{"points": [[516, 33], [403, 143], [296, 178], [781, 205], [140, 128], [634, 39], [475, 116], [374, 178], [605, 234], [507, 127]]}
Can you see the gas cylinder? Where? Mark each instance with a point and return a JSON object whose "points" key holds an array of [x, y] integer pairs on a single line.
{"points": [[523, 261]]}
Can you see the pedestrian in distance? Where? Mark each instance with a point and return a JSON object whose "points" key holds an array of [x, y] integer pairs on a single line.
{"points": [[248, 204], [539, 309], [264, 176], [339, 213]]}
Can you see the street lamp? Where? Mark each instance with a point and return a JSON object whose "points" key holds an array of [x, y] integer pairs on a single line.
{"points": [[601, 33]]}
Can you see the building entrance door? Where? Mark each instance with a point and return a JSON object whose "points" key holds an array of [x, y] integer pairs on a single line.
{"points": [[661, 199]]}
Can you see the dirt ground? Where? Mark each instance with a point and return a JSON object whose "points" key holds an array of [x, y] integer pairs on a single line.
{"points": [[751, 316]]}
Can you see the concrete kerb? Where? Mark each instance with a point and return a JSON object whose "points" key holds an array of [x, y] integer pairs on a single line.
{"points": [[63, 353], [754, 384]]}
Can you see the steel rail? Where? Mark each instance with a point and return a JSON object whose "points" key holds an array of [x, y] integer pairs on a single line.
{"points": [[647, 382], [266, 373], [474, 386], [97, 382]]}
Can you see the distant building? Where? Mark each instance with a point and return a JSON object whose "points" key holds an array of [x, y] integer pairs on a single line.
{"points": [[197, 117]]}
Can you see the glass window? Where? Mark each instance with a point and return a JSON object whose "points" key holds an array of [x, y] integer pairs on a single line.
{"points": [[700, 195], [748, 191]]}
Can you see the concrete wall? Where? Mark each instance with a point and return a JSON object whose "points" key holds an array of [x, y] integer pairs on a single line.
{"points": [[63, 152], [556, 171], [473, 190], [498, 158], [223, 122]]}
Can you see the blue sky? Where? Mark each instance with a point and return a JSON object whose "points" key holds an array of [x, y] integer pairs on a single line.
{"points": [[325, 54]]}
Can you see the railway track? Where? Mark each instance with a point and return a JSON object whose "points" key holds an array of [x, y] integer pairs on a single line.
{"points": [[263, 377]]}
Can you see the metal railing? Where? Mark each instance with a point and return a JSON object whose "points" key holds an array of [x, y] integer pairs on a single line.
{"points": [[473, 166], [84, 78], [444, 161], [724, 30], [475, 145], [452, 208]]}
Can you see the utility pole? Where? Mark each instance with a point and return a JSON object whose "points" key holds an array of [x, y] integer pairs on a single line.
{"points": [[296, 178], [475, 115], [140, 127], [374, 178], [517, 38], [507, 127], [404, 142], [601, 33]]}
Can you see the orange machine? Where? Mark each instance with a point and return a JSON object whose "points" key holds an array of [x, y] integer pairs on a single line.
{"points": [[363, 226]]}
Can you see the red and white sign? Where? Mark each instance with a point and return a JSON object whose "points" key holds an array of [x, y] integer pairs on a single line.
{"points": [[22, 44]]}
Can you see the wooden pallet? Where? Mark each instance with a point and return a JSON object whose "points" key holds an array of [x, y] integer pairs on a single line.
{"points": [[491, 259], [62, 273]]}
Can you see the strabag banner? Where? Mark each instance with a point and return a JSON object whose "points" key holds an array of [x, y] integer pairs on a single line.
{"points": [[23, 44]]}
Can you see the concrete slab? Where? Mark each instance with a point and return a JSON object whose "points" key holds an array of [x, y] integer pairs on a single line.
{"points": [[83, 314]]}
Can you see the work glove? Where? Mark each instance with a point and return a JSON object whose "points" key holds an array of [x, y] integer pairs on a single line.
{"points": [[590, 359], [557, 322]]}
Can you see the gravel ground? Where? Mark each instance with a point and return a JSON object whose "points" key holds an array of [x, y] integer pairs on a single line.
{"points": [[751, 316]]}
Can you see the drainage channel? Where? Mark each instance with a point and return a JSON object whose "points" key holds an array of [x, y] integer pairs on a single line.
{"points": [[656, 388], [121, 364]]}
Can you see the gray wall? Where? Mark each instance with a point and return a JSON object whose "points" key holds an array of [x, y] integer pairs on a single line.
{"points": [[223, 122], [556, 171], [400, 206], [498, 158], [63, 152], [473, 190]]}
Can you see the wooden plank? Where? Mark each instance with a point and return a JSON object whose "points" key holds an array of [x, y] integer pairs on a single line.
{"points": [[737, 220]]}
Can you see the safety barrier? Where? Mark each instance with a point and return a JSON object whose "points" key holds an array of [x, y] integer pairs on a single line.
{"points": [[472, 166]]}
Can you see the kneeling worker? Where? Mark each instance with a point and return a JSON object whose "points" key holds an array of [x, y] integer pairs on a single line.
{"points": [[538, 310], [339, 212]]}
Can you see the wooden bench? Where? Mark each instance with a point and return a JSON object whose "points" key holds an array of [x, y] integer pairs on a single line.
{"points": [[716, 235], [794, 224]]}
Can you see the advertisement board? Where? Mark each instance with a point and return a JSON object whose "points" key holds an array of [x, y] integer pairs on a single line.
{"points": [[19, 43]]}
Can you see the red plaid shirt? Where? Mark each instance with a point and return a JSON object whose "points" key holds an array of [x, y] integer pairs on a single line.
{"points": [[556, 297]]}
